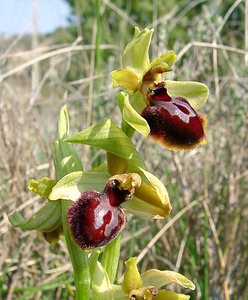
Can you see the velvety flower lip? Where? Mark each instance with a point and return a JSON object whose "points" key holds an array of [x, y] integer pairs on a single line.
{"points": [[93, 221], [172, 120], [96, 218]]}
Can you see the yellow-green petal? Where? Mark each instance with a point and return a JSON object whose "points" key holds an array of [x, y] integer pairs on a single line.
{"points": [[132, 279], [195, 93], [168, 295], [168, 57], [125, 78], [160, 278]]}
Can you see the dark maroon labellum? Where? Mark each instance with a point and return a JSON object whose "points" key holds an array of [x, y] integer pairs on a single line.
{"points": [[96, 218], [172, 120]]}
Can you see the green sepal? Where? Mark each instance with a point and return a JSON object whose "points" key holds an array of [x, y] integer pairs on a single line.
{"points": [[195, 93], [132, 279], [42, 187], [71, 186], [136, 53], [131, 116], [138, 102], [150, 199], [100, 284], [46, 219], [168, 295], [160, 278], [107, 136]]}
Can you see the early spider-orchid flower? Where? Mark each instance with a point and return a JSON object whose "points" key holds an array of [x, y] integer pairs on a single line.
{"points": [[164, 109]]}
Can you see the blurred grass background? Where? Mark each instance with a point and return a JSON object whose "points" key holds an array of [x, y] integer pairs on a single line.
{"points": [[206, 236]]}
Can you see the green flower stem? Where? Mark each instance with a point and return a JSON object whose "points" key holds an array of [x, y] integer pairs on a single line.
{"points": [[79, 259]]}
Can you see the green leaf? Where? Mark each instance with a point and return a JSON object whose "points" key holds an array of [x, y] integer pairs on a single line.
{"points": [[65, 159], [195, 92], [107, 136], [100, 284], [168, 295], [63, 123], [136, 53], [71, 186], [159, 278], [42, 187], [131, 116], [125, 78], [45, 220]]}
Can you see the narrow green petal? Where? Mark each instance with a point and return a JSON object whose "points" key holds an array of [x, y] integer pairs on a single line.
{"points": [[100, 284], [71, 186], [132, 279], [168, 57], [107, 136], [125, 78], [63, 123], [42, 187], [168, 295], [136, 53], [131, 116], [195, 92], [160, 278], [45, 220]]}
